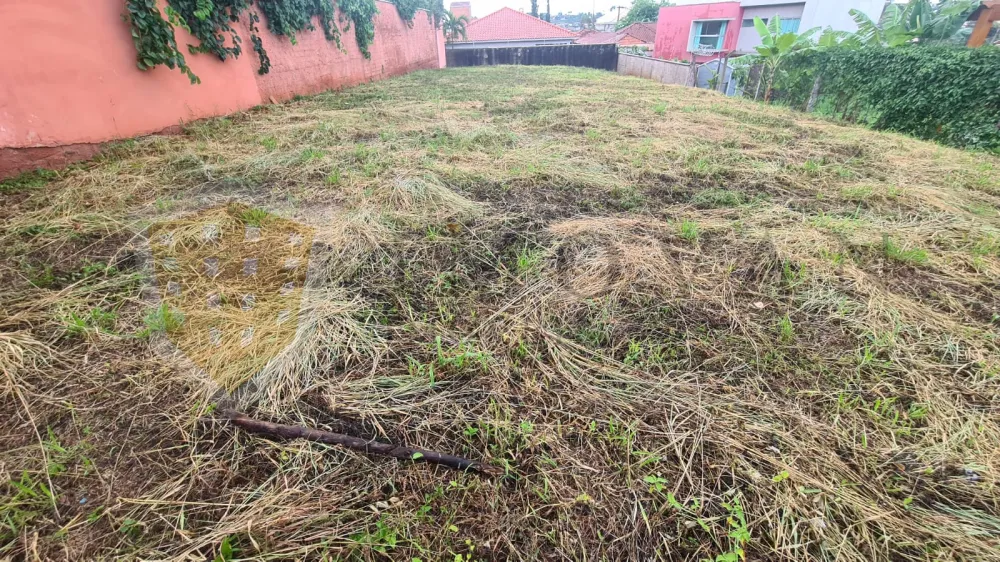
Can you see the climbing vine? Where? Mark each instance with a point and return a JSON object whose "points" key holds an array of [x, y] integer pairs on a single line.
{"points": [[947, 94], [360, 13], [213, 23], [258, 45], [154, 38], [210, 21], [288, 17], [407, 10]]}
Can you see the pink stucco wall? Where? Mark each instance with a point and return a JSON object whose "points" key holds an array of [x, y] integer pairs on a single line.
{"points": [[673, 27], [314, 64], [68, 76]]}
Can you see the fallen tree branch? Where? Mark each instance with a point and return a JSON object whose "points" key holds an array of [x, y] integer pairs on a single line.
{"points": [[356, 443]]}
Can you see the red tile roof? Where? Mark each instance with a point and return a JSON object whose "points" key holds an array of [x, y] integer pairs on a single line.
{"points": [[635, 34], [643, 31], [507, 24], [597, 38]]}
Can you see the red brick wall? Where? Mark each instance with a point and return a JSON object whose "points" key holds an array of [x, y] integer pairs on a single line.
{"points": [[68, 77]]}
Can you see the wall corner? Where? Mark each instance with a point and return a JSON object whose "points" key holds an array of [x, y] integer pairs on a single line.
{"points": [[442, 56]]}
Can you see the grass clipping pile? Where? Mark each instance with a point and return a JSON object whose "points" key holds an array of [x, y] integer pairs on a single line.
{"points": [[685, 327], [230, 282]]}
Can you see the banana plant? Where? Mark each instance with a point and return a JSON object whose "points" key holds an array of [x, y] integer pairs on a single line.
{"points": [[831, 38], [776, 46], [921, 21], [890, 30]]}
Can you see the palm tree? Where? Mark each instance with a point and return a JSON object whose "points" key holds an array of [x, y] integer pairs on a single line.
{"points": [[776, 46], [920, 20], [454, 26]]}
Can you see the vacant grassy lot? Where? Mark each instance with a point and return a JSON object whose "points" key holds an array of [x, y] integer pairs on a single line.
{"points": [[685, 326]]}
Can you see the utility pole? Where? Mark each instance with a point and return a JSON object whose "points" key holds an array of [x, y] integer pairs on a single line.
{"points": [[619, 18]]}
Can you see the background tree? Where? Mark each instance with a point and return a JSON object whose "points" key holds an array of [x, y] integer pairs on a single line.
{"points": [[534, 8], [435, 11], [407, 9], [548, 11], [454, 26], [643, 10]]}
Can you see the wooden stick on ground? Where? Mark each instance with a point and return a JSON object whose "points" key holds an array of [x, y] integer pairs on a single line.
{"points": [[356, 443]]}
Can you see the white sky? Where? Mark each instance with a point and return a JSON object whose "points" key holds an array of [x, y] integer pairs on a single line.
{"points": [[481, 8]]}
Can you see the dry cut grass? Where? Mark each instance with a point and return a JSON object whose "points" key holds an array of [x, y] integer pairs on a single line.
{"points": [[686, 327]]}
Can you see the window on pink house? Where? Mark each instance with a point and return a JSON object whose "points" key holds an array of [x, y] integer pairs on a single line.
{"points": [[708, 35]]}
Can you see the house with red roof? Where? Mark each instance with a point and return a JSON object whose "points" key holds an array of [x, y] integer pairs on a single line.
{"points": [[641, 34], [507, 27]]}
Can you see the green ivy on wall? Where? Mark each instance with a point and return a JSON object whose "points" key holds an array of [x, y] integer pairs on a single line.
{"points": [[408, 9], [258, 45], [210, 21], [154, 38], [289, 17], [213, 21], [361, 13]]}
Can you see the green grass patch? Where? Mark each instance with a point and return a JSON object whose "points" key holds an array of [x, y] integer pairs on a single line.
{"points": [[717, 198], [254, 216], [689, 230], [902, 254], [27, 180]]}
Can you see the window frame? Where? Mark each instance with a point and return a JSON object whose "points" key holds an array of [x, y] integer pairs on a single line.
{"points": [[798, 24], [693, 38]]}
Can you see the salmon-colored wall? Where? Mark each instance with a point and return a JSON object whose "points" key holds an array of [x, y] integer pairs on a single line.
{"points": [[314, 64], [442, 53], [673, 28], [68, 74]]}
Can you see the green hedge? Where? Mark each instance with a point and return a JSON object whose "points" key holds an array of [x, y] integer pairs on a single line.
{"points": [[947, 94]]}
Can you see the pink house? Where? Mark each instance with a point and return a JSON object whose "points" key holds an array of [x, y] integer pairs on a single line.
{"points": [[708, 29], [711, 29]]}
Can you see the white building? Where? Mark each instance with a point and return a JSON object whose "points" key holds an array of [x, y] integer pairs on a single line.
{"points": [[607, 22], [796, 15], [800, 16]]}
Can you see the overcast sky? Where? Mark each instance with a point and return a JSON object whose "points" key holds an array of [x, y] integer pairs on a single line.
{"points": [[481, 8]]}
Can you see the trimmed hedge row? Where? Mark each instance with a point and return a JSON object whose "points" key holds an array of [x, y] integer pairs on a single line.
{"points": [[947, 94]]}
